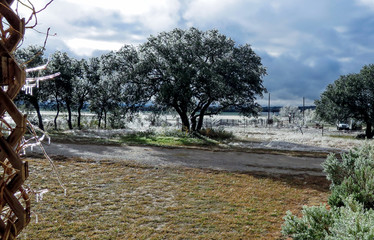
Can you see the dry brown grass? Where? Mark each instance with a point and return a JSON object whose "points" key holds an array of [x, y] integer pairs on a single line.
{"points": [[122, 201]]}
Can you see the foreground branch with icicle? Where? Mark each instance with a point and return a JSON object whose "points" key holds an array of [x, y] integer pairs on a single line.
{"points": [[14, 196]]}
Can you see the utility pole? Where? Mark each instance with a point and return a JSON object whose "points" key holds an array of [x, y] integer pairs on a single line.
{"points": [[269, 110], [303, 111]]}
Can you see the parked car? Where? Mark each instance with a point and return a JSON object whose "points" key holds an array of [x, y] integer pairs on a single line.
{"points": [[342, 126]]}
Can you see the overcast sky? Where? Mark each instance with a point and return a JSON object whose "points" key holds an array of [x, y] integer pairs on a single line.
{"points": [[304, 44]]}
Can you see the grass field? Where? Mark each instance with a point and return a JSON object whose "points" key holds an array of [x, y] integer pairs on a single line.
{"points": [[108, 200], [171, 139]]}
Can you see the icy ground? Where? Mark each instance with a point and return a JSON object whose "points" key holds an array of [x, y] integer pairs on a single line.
{"points": [[247, 135], [287, 138], [294, 138], [282, 136]]}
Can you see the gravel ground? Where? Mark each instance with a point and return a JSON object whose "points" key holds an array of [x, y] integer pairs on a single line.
{"points": [[192, 158], [286, 138]]}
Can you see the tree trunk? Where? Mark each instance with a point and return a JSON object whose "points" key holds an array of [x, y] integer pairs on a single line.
{"points": [[100, 116], [201, 117], [185, 122], [40, 119], [193, 123], [69, 115], [369, 133], [200, 122], [35, 103], [184, 118], [104, 119], [58, 112], [80, 107]]}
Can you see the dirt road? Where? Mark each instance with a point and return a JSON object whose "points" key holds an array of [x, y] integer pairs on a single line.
{"points": [[193, 158]]}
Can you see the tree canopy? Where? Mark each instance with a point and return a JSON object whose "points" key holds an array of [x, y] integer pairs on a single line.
{"points": [[190, 71], [350, 97], [32, 56]]}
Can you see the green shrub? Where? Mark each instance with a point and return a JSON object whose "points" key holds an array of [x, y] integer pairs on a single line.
{"points": [[175, 133], [117, 120], [314, 224], [359, 186], [147, 133], [351, 200], [353, 175], [352, 222], [217, 134]]}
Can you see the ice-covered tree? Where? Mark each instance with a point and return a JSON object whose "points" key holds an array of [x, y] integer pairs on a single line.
{"points": [[63, 84], [117, 92], [350, 97], [33, 56], [292, 112], [83, 84], [106, 92], [191, 70]]}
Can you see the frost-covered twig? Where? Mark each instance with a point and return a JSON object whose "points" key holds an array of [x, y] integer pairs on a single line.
{"points": [[38, 143]]}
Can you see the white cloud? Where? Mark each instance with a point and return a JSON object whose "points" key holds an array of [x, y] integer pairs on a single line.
{"points": [[128, 22], [345, 59], [153, 15], [340, 29], [85, 47], [206, 10], [367, 3], [274, 52]]}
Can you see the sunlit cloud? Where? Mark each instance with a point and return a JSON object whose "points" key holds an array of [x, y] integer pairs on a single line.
{"points": [[367, 3], [154, 15], [85, 47]]}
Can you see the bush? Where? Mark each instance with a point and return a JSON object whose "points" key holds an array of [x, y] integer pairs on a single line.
{"points": [[314, 224], [345, 223], [175, 133], [352, 222], [147, 133], [117, 119], [217, 134], [353, 175], [351, 200]]}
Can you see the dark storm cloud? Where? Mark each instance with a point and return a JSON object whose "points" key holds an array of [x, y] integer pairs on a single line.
{"points": [[290, 79]]}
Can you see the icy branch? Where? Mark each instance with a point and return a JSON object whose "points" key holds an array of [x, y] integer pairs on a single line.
{"points": [[43, 67]]}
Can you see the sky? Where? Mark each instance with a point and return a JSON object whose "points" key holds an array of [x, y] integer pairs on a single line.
{"points": [[304, 45]]}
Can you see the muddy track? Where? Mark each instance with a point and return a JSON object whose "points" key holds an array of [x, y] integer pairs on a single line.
{"points": [[191, 158]]}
